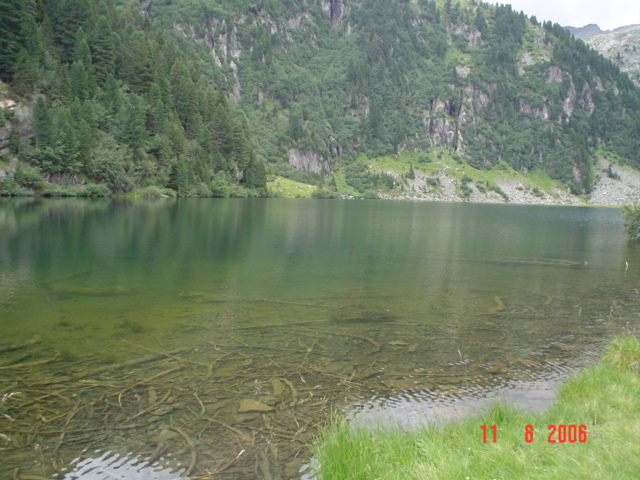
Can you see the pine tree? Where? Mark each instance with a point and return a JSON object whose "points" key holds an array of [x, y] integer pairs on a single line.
{"points": [[78, 80], [81, 50], [103, 51], [82, 53], [112, 95], [179, 177], [24, 78], [157, 112], [82, 116], [66, 144], [41, 123], [132, 130], [68, 16], [185, 99], [137, 69], [12, 40]]}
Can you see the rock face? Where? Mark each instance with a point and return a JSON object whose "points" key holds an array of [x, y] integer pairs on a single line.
{"points": [[309, 161], [587, 31]]}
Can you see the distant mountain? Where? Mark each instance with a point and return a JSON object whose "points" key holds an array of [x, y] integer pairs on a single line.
{"points": [[587, 31], [621, 45]]}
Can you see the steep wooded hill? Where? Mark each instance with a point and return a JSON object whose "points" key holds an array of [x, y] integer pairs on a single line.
{"points": [[324, 80], [99, 101]]}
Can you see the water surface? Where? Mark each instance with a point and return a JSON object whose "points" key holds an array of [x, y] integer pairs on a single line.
{"points": [[180, 338]]}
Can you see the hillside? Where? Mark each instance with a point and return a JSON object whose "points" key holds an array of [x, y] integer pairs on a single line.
{"points": [[622, 46], [328, 92], [324, 81], [98, 101]]}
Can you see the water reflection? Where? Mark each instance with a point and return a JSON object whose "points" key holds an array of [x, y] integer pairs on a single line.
{"points": [[206, 328]]}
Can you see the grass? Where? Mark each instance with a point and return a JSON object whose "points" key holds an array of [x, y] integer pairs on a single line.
{"points": [[437, 161], [283, 187], [605, 398]]}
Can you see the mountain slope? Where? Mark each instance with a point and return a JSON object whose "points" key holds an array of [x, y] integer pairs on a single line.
{"points": [[128, 93], [99, 101], [326, 80], [622, 46]]}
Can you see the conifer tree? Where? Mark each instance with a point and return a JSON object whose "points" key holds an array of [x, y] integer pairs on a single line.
{"points": [[103, 51], [78, 80], [185, 99], [81, 51], [82, 117], [68, 16], [65, 143], [41, 123], [132, 129], [137, 69], [12, 40], [112, 95], [24, 78]]}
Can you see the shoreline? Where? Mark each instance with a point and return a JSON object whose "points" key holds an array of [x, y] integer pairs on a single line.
{"points": [[590, 431]]}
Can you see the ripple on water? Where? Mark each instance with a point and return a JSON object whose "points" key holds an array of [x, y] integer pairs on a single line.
{"points": [[110, 466]]}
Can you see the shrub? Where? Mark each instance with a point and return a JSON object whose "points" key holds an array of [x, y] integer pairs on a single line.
{"points": [[323, 193], [465, 191], [151, 192], [96, 190], [29, 177], [499, 191], [631, 221], [62, 191], [433, 182]]}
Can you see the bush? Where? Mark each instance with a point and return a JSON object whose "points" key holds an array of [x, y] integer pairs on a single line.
{"points": [[358, 176], [29, 177], [96, 190], [631, 221], [611, 173], [499, 191], [465, 191], [323, 193], [62, 191], [433, 182]]}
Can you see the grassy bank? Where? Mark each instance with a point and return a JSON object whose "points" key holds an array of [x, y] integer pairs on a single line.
{"points": [[605, 398]]}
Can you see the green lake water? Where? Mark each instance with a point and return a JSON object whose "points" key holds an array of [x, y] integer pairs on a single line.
{"points": [[189, 338]]}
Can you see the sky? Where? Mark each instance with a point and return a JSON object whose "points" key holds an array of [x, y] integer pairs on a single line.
{"points": [[607, 14]]}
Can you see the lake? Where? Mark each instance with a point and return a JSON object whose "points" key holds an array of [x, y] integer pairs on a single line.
{"points": [[169, 339]]}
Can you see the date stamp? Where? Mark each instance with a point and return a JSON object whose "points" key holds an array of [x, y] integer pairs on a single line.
{"points": [[556, 433]]}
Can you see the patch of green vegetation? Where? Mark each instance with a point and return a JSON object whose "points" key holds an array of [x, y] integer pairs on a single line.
{"points": [[598, 409], [631, 221], [609, 156], [283, 187]]}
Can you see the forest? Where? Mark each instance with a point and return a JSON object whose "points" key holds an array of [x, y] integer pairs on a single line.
{"points": [[211, 97], [116, 105]]}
